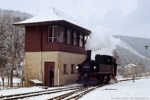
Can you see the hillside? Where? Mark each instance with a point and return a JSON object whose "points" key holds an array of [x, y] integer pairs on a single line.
{"points": [[136, 43], [15, 14], [132, 49]]}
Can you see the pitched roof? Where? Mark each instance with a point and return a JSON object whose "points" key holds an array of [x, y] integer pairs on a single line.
{"points": [[130, 65], [49, 15]]}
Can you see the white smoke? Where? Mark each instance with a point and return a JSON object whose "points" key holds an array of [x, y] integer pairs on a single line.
{"points": [[101, 41]]}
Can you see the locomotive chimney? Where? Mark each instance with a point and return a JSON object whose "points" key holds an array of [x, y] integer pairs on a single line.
{"points": [[88, 55]]}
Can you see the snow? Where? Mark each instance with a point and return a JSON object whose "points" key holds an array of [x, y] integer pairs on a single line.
{"points": [[45, 97], [20, 90], [127, 90], [30, 89], [15, 80], [126, 46], [130, 65], [36, 81], [50, 14]]}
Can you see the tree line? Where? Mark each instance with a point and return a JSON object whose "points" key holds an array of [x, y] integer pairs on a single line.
{"points": [[12, 42]]}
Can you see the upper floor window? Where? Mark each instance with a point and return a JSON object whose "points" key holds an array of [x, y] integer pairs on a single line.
{"points": [[85, 39], [68, 36], [61, 32], [75, 38], [63, 35], [81, 40], [52, 33]]}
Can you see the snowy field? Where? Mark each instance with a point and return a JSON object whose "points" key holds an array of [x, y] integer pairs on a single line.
{"points": [[127, 90], [16, 83]]}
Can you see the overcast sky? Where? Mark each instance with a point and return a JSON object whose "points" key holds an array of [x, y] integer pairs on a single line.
{"points": [[106, 17], [128, 17]]}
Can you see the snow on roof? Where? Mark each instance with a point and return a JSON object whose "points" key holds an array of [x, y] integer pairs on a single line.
{"points": [[50, 14], [130, 65]]}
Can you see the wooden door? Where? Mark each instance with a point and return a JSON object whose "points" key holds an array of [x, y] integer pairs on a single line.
{"points": [[47, 71]]}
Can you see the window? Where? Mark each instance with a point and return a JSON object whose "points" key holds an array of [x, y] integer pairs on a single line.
{"points": [[68, 36], [61, 32], [85, 39], [71, 37], [74, 38], [56, 34], [72, 69], [52, 33], [49, 34], [81, 40], [65, 68]]}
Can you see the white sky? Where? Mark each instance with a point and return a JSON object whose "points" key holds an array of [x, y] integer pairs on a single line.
{"points": [[128, 17]]}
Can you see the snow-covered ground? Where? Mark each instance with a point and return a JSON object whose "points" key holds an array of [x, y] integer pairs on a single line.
{"points": [[126, 90], [15, 80], [29, 89], [16, 83]]}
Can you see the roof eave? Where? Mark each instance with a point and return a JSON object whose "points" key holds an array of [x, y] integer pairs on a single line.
{"points": [[88, 32]]}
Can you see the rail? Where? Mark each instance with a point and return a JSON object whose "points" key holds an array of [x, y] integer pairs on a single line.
{"points": [[37, 93], [75, 93]]}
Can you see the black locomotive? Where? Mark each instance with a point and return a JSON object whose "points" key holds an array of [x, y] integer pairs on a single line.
{"points": [[100, 70]]}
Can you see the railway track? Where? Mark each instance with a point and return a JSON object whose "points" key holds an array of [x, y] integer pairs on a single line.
{"points": [[128, 79], [37, 93], [74, 93]]}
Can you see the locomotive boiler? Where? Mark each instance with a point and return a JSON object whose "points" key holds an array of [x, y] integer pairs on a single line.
{"points": [[100, 70]]}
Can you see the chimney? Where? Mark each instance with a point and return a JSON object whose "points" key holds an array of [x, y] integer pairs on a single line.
{"points": [[97, 58], [88, 55]]}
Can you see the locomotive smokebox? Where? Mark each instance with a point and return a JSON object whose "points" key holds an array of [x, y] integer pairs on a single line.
{"points": [[88, 55]]}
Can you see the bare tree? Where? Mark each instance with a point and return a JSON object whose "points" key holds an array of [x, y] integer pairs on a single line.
{"points": [[14, 50], [3, 52]]}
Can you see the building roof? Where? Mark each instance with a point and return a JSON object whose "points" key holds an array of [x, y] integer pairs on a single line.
{"points": [[130, 65], [50, 15]]}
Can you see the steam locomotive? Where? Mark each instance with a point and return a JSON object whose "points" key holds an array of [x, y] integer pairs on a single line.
{"points": [[100, 70]]}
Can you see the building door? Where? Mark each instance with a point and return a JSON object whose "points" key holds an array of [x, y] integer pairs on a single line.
{"points": [[47, 76]]}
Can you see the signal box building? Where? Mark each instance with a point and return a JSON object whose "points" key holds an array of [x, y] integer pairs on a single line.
{"points": [[53, 40]]}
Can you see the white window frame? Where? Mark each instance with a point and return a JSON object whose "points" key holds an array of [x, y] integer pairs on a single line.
{"points": [[53, 34]]}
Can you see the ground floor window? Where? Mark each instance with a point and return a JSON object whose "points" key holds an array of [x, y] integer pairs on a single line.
{"points": [[72, 69], [65, 69]]}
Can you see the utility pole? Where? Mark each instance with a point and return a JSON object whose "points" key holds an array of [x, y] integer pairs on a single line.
{"points": [[146, 47]]}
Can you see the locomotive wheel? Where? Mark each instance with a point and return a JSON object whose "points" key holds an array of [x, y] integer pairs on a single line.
{"points": [[108, 79], [101, 79]]}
